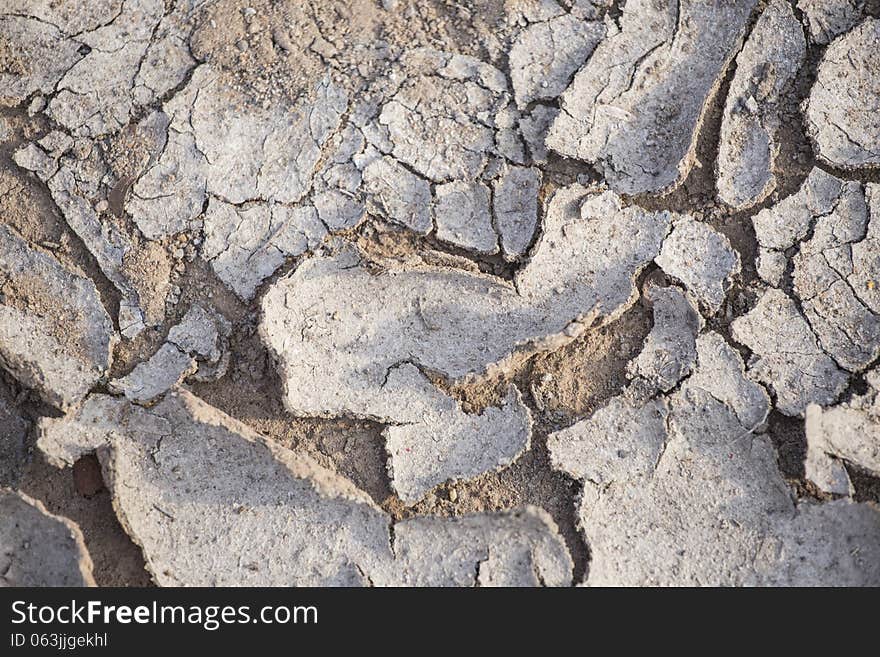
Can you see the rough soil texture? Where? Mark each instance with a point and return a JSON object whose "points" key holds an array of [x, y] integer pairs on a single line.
{"points": [[385, 292]]}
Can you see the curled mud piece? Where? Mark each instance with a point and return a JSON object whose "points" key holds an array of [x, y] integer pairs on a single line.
{"points": [[55, 336], [678, 489], [547, 53], [514, 548], [635, 108], [339, 329], [701, 258], [252, 513], [246, 245], [765, 70], [515, 202], [77, 174], [38, 548], [670, 350], [184, 474], [194, 348], [827, 19], [464, 218], [591, 251], [785, 224], [850, 432], [623, 437], [438, 442], [841, 112]]}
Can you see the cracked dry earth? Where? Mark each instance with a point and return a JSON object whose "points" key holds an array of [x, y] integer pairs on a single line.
{"points": [[524, 292]]}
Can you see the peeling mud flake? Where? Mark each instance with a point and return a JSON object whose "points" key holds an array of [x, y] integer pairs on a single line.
{"points": [[827, 19], [150, 379], [515, 548], [720, 373], [670, 349], [336, 192], [847, 432], [398, 194], [692, 521], [847, 330], [623, 439], [515, 203], [446, 444], [636, 106], [193, 347], [211, 503], [702, 259], [75, 171], [682, 508], [247, 245], [417, 298], [73, 188], [788, 222], [88, 102], [464, 217], [338, 327], [765, 69], [450, 321], [546, 54], [786, 356], [38, 548], [55, 335], [33, 158], [841, 112], [200, 333], [167, 60]]}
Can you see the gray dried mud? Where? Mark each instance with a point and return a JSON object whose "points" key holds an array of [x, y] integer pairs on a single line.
{"points": [[524, 293]]}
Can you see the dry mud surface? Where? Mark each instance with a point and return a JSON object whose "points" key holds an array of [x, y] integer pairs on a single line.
{"points": [[503, 293]]}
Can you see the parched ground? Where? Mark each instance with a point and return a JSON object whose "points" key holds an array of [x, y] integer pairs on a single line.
{"points": [[523, 292]]}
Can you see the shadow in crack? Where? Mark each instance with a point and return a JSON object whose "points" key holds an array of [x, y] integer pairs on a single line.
{"points": [[117, 560]]}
